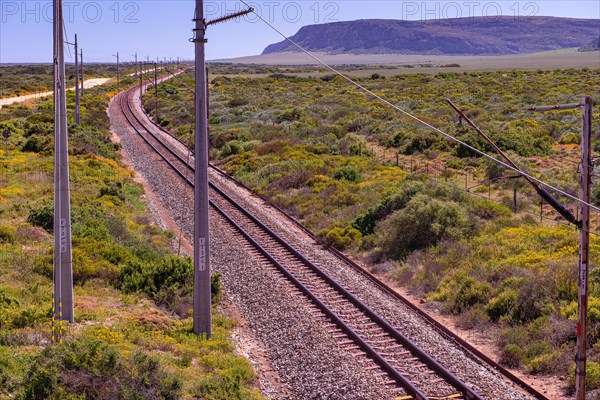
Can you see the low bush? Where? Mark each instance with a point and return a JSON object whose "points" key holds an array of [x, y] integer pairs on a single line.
{"points": [[512, 356], [461, 291], [338, 237], [7, 234], [349, 174], [423, 223], [90, 368], [43, 217]]}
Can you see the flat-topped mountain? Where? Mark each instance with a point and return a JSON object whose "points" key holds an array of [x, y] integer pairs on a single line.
{"points": [[594, 45], [461, 36]]}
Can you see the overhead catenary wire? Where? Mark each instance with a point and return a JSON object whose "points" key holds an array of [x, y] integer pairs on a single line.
{"points": [[415, 118]]}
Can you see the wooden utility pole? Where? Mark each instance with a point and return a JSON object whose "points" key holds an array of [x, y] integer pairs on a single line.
{"points": [[63, 264], [584, 236], [584, 240]]}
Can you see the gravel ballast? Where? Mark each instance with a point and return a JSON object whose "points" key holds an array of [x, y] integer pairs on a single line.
{"points": [[297, 340]]}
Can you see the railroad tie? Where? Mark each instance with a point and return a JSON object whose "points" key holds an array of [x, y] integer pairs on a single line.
{"points": [[382, 335], [384, 341]]}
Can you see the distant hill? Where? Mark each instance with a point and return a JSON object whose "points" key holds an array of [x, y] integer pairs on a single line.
{"points": [[594, 45], [462, 36]]}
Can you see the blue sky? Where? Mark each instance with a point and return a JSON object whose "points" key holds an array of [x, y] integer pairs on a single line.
{"points": [[160, 28]]}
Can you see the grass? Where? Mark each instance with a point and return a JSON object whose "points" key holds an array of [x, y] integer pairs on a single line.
{"points": [[129, 340], [314, 145]]}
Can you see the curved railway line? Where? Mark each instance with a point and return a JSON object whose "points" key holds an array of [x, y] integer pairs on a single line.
{"points": [[358, 328]]}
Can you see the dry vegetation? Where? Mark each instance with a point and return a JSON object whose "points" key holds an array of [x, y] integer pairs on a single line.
{"points": [[307, 144], [133, 333]]}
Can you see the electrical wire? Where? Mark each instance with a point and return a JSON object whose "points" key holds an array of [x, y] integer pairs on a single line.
{"points": [[415, 118], [67, 39], [181, 82]]}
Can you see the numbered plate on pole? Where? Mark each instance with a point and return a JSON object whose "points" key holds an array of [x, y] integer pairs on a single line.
{"points": [[6, 134]]}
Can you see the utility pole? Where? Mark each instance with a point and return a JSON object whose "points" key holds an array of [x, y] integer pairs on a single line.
{"points": [[141, 74], [63, 264], [81, 68], [136, 63], [77, 105], [584, 240], [118, 73], [202, 297], [156, 91], [584, 236]]}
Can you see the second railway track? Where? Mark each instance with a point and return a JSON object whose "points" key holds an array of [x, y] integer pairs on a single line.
{"points": [[359, 329]]}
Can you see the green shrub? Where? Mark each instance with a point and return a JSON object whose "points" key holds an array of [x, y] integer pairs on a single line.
{"points": [[237, 102], [422, 223], [7, 368], [338, 237], [34, 145], [349, 174], [503, 305], [7, 234], [100, 372], [512, 356], [570, 138], [215, 287], [592, 378], [164, 280], [461, 292], [488, 210], [366, 223], [544, 363], [42, 217], [226, 384]]}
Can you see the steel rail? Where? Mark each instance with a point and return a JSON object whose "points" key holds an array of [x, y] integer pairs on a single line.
{"points": [[412, 347], [477, 354], [442, 329]]}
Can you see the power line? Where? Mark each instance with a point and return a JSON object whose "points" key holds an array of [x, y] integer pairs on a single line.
{"points": [[415, 118]]}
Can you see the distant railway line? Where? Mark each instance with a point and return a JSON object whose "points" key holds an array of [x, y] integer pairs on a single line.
{"points": [[366, 334]]}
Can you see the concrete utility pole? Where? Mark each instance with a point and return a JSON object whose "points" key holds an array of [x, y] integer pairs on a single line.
{"points": [[136, 63], [81, 68], [156, 91], [202, 298], [141, 75], [63, 264], [118, 73], [584, 240], [77, 105]]}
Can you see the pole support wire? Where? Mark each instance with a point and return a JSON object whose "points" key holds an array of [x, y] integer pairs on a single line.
{"points": [[415, 118]]}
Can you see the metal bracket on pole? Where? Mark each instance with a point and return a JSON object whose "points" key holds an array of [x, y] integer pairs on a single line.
{"points": [[229, 16]]}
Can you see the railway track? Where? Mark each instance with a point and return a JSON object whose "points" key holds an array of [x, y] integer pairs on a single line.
{"points": [[359, 329]]}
